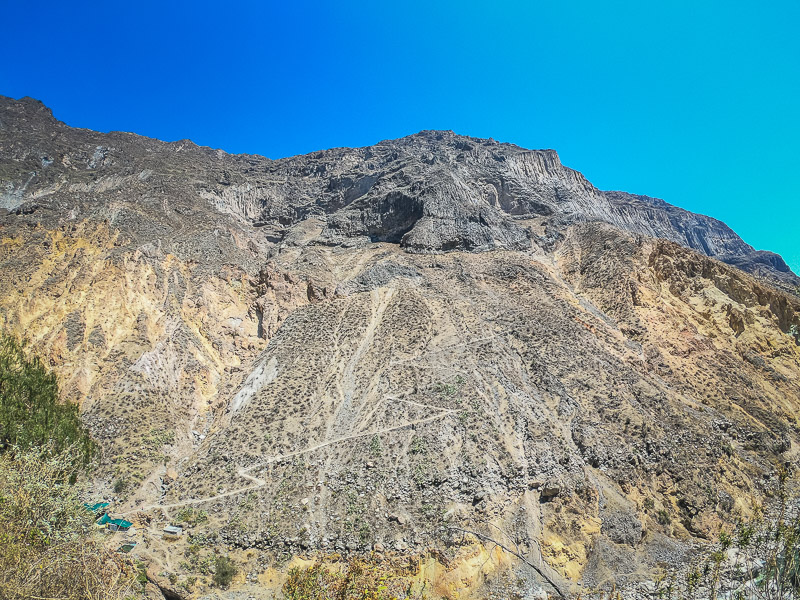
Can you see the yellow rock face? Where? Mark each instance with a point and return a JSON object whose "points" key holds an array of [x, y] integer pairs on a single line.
{"points": [[588, 406], [137, 338]]}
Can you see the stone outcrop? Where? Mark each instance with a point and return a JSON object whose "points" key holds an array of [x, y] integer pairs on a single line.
{"points": [[430, 192], [322, 353]]}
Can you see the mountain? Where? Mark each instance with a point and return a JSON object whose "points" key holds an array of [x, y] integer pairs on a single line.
{"points": [[431, 192], [378, 348]]}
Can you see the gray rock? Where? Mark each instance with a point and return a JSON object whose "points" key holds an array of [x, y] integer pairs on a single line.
{"points": [[622, 527], [375, 277]]}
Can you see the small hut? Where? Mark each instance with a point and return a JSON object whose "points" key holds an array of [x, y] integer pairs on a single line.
{"points": [[173, 530]]}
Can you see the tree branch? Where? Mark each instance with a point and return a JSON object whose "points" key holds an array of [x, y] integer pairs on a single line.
{"points": [[517, 554]]}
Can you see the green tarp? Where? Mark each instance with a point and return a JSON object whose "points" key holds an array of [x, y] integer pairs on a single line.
{"points": [[121, 523], [125, 548], [95, 507]]}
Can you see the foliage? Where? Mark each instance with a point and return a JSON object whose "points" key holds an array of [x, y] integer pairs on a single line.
{"points": [[156, 439], [418, 446], [375, 448], [47, 545], [358, 580], [794, 331], [224, 571], [769, 551], [198, 561], [30, 411], [759, 560], [191, 516], [313, 583]]}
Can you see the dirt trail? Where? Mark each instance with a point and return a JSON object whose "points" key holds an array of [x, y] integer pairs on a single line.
{"points": [[397, 398], [449, 348], [258, 483], [350, 407]]}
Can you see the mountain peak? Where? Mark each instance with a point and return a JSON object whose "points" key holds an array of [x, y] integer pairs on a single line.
{"points": [[340, 352], [432, 191]]}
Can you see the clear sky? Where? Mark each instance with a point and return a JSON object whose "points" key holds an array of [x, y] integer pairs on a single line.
{"points": [[696, 102]]}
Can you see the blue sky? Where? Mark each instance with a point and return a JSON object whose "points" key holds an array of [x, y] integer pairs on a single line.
{"points": [[694, 102]]}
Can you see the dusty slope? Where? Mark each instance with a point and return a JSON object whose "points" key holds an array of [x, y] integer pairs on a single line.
{"points": [[510, 388], [272, 341]]}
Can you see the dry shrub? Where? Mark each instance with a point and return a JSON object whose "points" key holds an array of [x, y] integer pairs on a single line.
{"points": [[358, 580], [48, 544]]}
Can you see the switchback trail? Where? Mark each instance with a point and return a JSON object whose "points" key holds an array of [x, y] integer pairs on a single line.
{"points": [[259, 483]]}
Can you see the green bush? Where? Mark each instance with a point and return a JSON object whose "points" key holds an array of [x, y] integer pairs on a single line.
{"points": [[375, 448], [48, 547], [191, 516], [224, 571], [31, 413], [357, 580]]}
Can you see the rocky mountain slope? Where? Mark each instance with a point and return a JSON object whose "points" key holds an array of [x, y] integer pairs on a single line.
{"points": [[377, 348]]}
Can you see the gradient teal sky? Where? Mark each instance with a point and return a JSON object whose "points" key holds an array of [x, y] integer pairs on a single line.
{"points": [[695, 102]]}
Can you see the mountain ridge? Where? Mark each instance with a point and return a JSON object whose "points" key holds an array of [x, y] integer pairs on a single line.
{"points": [[447, 210], [318, 353]]}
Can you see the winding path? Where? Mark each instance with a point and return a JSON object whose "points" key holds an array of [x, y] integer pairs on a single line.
{"points": [[378, 308], [259, 483]]}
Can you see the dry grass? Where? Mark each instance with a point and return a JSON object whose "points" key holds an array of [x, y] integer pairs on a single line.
{"points": [[48, 549]]}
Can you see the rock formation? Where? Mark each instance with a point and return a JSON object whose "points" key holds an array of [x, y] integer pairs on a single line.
{"points": [[381, 347]]}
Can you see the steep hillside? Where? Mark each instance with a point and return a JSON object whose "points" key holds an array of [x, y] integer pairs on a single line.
{"points": [[323, 354], [429, 192]]}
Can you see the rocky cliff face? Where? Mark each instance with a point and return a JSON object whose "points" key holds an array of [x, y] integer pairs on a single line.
{"points": [[320, 352], [430, 192]]}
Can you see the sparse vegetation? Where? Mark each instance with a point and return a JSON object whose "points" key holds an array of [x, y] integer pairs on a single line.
{"points": [[727, 448], [758, 560], [358, 580], [420, 474], [47, 549], [191, 516], [446, 389], [157, 439], [198, 560], [47, 545], [375, 448], [418, 446]]}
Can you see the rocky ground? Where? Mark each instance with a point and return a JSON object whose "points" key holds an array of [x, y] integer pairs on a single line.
{"points": [[378, 350]]}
